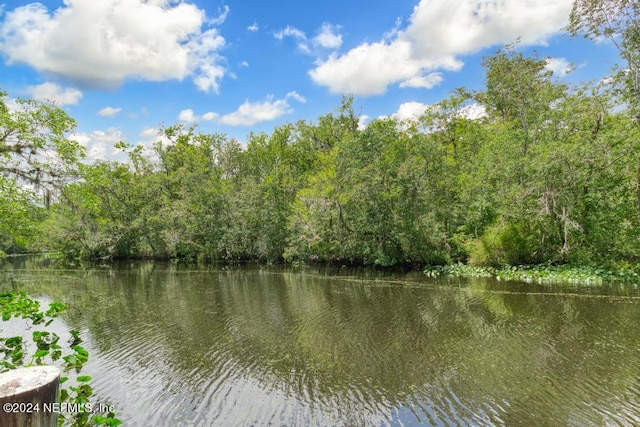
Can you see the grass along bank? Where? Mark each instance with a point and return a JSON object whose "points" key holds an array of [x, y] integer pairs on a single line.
{"points": [[543, 274]]}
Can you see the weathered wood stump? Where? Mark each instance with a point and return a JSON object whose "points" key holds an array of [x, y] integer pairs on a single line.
{"points": [[27, 396]]}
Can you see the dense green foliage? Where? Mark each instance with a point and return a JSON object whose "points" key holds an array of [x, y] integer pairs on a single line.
{"points": [[21, 214], [547, 174], [36, 157]]}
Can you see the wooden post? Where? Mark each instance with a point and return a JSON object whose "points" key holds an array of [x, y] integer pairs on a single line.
{"points": [[27, 396]]}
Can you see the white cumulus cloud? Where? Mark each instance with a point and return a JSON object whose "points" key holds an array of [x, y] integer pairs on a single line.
{"points": [[295, 95], [190, 116], [187, 116], [328, 37], [362, 121], [295, 33], [369, 68], [410, 111], [113, 41], [210, 116], [559, 66], [426, 82], [253, 27], [99, 144], [439, 32], [55, 93], [473, 111], [150, 137], [109, 111], [250, 113], [219, 20], [290, 31], [149, 132]]}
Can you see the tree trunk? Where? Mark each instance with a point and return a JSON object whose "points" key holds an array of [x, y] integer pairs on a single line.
{"points": [[638, 194], [27, 396]]}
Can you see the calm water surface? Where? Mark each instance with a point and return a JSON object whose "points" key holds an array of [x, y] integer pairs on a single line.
{"points": [[254, 346]]}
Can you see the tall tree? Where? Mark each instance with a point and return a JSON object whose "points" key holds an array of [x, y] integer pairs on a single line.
{"points": [[34, 150], [619, 22], [519, 91], [34, 143]]}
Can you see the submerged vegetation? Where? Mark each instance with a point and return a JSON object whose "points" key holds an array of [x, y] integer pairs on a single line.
{"points": [[541, 173], [541, 274]]}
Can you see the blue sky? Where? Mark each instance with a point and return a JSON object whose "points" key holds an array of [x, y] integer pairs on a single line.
{"points": [[122, 68]]}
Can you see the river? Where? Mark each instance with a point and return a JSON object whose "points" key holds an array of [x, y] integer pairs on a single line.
{"points": [[242, 346]]}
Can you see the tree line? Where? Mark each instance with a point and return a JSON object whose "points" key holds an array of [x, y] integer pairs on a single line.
{"points": [[549, 173]]}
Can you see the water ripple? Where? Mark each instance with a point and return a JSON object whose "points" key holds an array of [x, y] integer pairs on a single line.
{"points": [[260, 347]]}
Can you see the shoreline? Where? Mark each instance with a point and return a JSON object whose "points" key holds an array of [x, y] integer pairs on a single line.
{"points": [[542, 274]]}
